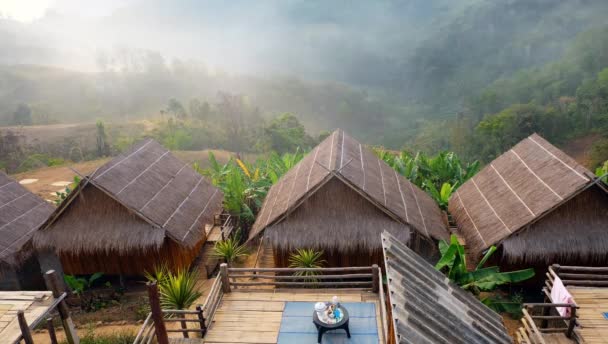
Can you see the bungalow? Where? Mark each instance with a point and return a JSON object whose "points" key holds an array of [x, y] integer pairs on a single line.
{"points": [[537, 206], [21, 214], [338, 200], [141, 209]]}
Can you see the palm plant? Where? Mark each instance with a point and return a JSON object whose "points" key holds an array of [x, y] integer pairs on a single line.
{"points": [[306, 258], [229, 250], [453, 262], [179, 290], [159, 274]]}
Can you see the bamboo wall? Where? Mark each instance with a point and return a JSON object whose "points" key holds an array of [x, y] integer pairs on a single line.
{"points": [[132, 264]]}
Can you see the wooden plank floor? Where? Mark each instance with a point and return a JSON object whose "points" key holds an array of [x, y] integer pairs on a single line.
{"points": [[33, 303], [592, 302], [255, 316]]}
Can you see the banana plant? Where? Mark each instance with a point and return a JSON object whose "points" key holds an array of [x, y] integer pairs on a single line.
{"points": [[482, 279]]}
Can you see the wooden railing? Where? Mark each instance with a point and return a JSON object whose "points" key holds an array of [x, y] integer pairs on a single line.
{"points": [[57, 287], [531, 332], [383, 314], [573, 276], [154, 325], [579, 276], [365, 277]]}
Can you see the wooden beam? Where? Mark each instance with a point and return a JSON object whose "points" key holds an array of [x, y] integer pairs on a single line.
{"points": [[157, 314], [25, 329], [58, 288]]}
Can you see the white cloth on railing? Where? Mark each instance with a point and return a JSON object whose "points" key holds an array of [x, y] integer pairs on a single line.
{"points": [[559, 294]]}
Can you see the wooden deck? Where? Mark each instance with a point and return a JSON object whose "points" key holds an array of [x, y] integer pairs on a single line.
{"points": [[248, 316], [592, 302], [33, 303]]}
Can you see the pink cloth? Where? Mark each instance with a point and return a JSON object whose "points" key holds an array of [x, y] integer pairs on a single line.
{"points": [[559, 294]]}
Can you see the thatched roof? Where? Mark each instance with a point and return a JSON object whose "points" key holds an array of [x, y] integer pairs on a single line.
{"points": [[516, 189], [342, 157], [21, 214], [163, 195], [335, 218], [427, 308]]}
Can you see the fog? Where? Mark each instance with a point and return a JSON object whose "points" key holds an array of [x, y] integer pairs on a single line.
{"points": [[383, 69]]}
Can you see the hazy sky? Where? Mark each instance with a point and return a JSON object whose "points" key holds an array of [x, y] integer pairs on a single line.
{"points": [[29, 10]]}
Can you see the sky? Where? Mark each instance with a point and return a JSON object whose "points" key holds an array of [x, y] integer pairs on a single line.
{"points": [[31, 10]]}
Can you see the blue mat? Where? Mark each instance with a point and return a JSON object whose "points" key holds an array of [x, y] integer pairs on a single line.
{"points": [[297, 326]]}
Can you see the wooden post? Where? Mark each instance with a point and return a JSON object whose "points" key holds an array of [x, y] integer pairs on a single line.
{"points": [[25, 329], [51, 328], [224, 277], [157, 314], [201, 318], [572, 322], [57, 287], [375, 278]]}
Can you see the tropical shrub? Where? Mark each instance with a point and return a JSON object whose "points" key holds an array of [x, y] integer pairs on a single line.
{"points": [[229, 250], [79, 284], [438, 175], [306, 258], [179, 290], [602, 171], [482, 279], [245, 185]]}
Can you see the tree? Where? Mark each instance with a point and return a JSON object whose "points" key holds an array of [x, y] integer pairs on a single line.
{"points": [[103, 148], [22, 115], [176, 109], [285, 133]]}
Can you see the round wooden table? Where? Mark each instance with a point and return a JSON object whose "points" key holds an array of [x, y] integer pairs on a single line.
{"points": [[323, 327]]}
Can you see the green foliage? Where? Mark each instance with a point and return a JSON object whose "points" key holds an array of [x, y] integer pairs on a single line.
{"points": [[602, 172], [78, 285], [179, 290], [229, 250], [284, 134], [103, 149], [245, 184], [438, 175], [62, 195], [159, 274], [482, 279], [306, 258], [122, 337]]}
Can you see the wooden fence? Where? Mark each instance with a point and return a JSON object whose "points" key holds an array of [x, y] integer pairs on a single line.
{"points": [[366, 277], [154, 325]]}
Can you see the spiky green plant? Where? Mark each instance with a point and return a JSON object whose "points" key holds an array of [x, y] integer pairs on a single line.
{"points": [[306, 258], [229, 250], [179, 290], [159, 274]]}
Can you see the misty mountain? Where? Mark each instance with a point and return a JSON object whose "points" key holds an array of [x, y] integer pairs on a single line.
{"points": [[382, 67]]}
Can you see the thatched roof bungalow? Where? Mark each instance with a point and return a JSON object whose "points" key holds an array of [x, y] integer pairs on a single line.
{"points": [[537, 205], [339, 199], [142, 208], [21, 214], [425, 307]]}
